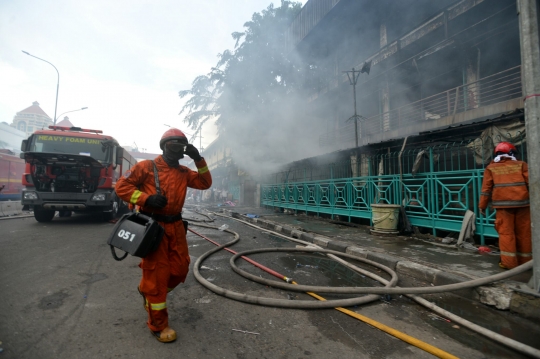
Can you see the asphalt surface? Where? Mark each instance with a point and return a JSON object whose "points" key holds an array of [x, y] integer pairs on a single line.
{"points": [[63, 296]]}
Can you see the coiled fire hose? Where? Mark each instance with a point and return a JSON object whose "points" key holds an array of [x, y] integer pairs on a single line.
{"points": [[388, 289]]}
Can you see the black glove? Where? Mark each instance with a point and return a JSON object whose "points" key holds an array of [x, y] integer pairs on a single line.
{"points": [[156, 201], [192, 152]]}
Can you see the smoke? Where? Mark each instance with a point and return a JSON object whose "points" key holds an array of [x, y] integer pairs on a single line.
{"points": [[266, 136], [282, 104]]}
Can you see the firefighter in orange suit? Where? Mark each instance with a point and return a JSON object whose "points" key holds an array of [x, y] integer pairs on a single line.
{"points": [[506, 182], [168, 266]]}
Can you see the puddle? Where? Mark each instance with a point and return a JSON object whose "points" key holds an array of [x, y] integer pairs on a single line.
{"points": [[337, 275], [53, 301]]}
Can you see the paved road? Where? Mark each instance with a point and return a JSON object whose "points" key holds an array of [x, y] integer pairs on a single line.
{"points": [[63, 296]]}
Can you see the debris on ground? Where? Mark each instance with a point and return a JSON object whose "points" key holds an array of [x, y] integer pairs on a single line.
{"points": [[245, 331]]}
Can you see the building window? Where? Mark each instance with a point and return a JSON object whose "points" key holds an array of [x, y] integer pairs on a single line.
{"points": [[30, 129], [22, 126]]}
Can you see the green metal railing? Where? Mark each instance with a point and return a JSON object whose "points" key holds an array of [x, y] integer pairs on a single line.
{"points": [[234, 190], [436, 185]]}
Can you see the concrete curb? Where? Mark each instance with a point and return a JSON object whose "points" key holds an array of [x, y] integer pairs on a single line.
{"points": [[500, 295], [10, 208]]}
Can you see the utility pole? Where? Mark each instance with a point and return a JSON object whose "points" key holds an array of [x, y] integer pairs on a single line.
{"points": [[194, 138], [200, 141], [353, 79], [530, 74]]}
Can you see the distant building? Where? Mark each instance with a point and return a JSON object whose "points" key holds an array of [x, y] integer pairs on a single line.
{"points": [[140, 156], [226, 175], [31, 119], [217, 154], [11, 138], [65, 122]]}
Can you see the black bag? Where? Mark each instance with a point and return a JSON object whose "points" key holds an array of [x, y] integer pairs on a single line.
{"points": [[135, 233]]}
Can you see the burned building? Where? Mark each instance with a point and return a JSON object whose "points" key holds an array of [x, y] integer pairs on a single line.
{"points": [[410, 97], [432, 64]]}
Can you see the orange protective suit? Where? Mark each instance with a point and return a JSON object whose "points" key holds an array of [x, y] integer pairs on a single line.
{"points": [[507, 184], [168, 266]]}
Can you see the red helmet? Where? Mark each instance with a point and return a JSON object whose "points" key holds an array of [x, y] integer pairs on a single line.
{"points": [[172, 134], [505, 147]]}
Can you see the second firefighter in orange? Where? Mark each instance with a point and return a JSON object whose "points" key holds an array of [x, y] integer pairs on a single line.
{"points": [[506, 183]]}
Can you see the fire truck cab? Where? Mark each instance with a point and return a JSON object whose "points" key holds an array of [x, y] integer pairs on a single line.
{"points": [[72, 169]]}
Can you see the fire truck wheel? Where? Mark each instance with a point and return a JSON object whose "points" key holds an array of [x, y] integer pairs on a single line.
{"points": [[43, 215], [109, 215]]}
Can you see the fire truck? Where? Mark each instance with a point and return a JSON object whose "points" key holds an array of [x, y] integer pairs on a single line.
{"points": [[71, 169]]}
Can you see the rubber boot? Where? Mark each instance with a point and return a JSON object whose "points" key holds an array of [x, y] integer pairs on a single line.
{"points": [[167, 335]]}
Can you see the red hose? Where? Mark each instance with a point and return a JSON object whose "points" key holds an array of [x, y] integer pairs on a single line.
{"points": [[258, 265]]}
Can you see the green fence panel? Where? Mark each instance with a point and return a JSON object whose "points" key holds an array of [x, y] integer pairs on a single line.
{"points": [[436, 200], [234, 190]]}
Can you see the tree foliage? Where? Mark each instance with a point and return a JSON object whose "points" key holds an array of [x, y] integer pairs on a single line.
{"points": [[251, 83]]}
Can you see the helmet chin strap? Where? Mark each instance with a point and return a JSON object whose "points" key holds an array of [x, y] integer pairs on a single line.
{"points": [[172, 158]]}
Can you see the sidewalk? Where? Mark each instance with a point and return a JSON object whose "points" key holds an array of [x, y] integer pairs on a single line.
{"points": [[10, 208], [413, 259]]}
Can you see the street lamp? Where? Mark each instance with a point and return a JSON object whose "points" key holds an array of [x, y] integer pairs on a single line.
{"points": [[80, 109], [57, 82]]}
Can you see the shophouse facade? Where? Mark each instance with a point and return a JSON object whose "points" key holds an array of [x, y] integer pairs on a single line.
{"points": [[438, 84]]}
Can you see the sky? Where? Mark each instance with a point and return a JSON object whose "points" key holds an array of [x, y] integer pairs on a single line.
{"points": [[124, 60]]}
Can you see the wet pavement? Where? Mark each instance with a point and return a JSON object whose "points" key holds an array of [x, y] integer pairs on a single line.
{"points": [[467, 262]]}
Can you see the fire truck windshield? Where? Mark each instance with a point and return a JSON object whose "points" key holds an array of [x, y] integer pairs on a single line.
{"points": [[91, 147]]}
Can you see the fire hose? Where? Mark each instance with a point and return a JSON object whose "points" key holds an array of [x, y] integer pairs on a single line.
{"points": [[373, 292]]}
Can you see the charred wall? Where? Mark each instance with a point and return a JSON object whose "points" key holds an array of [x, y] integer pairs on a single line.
{"points": [[418, 50]]}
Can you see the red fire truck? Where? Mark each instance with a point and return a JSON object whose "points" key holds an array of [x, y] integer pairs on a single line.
{"points": [[72, 169], [11, 169]]}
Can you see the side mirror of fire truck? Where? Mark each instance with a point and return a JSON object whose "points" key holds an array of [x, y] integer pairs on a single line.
{"points": [[115, 157], [119, 154], [23, 145]]}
